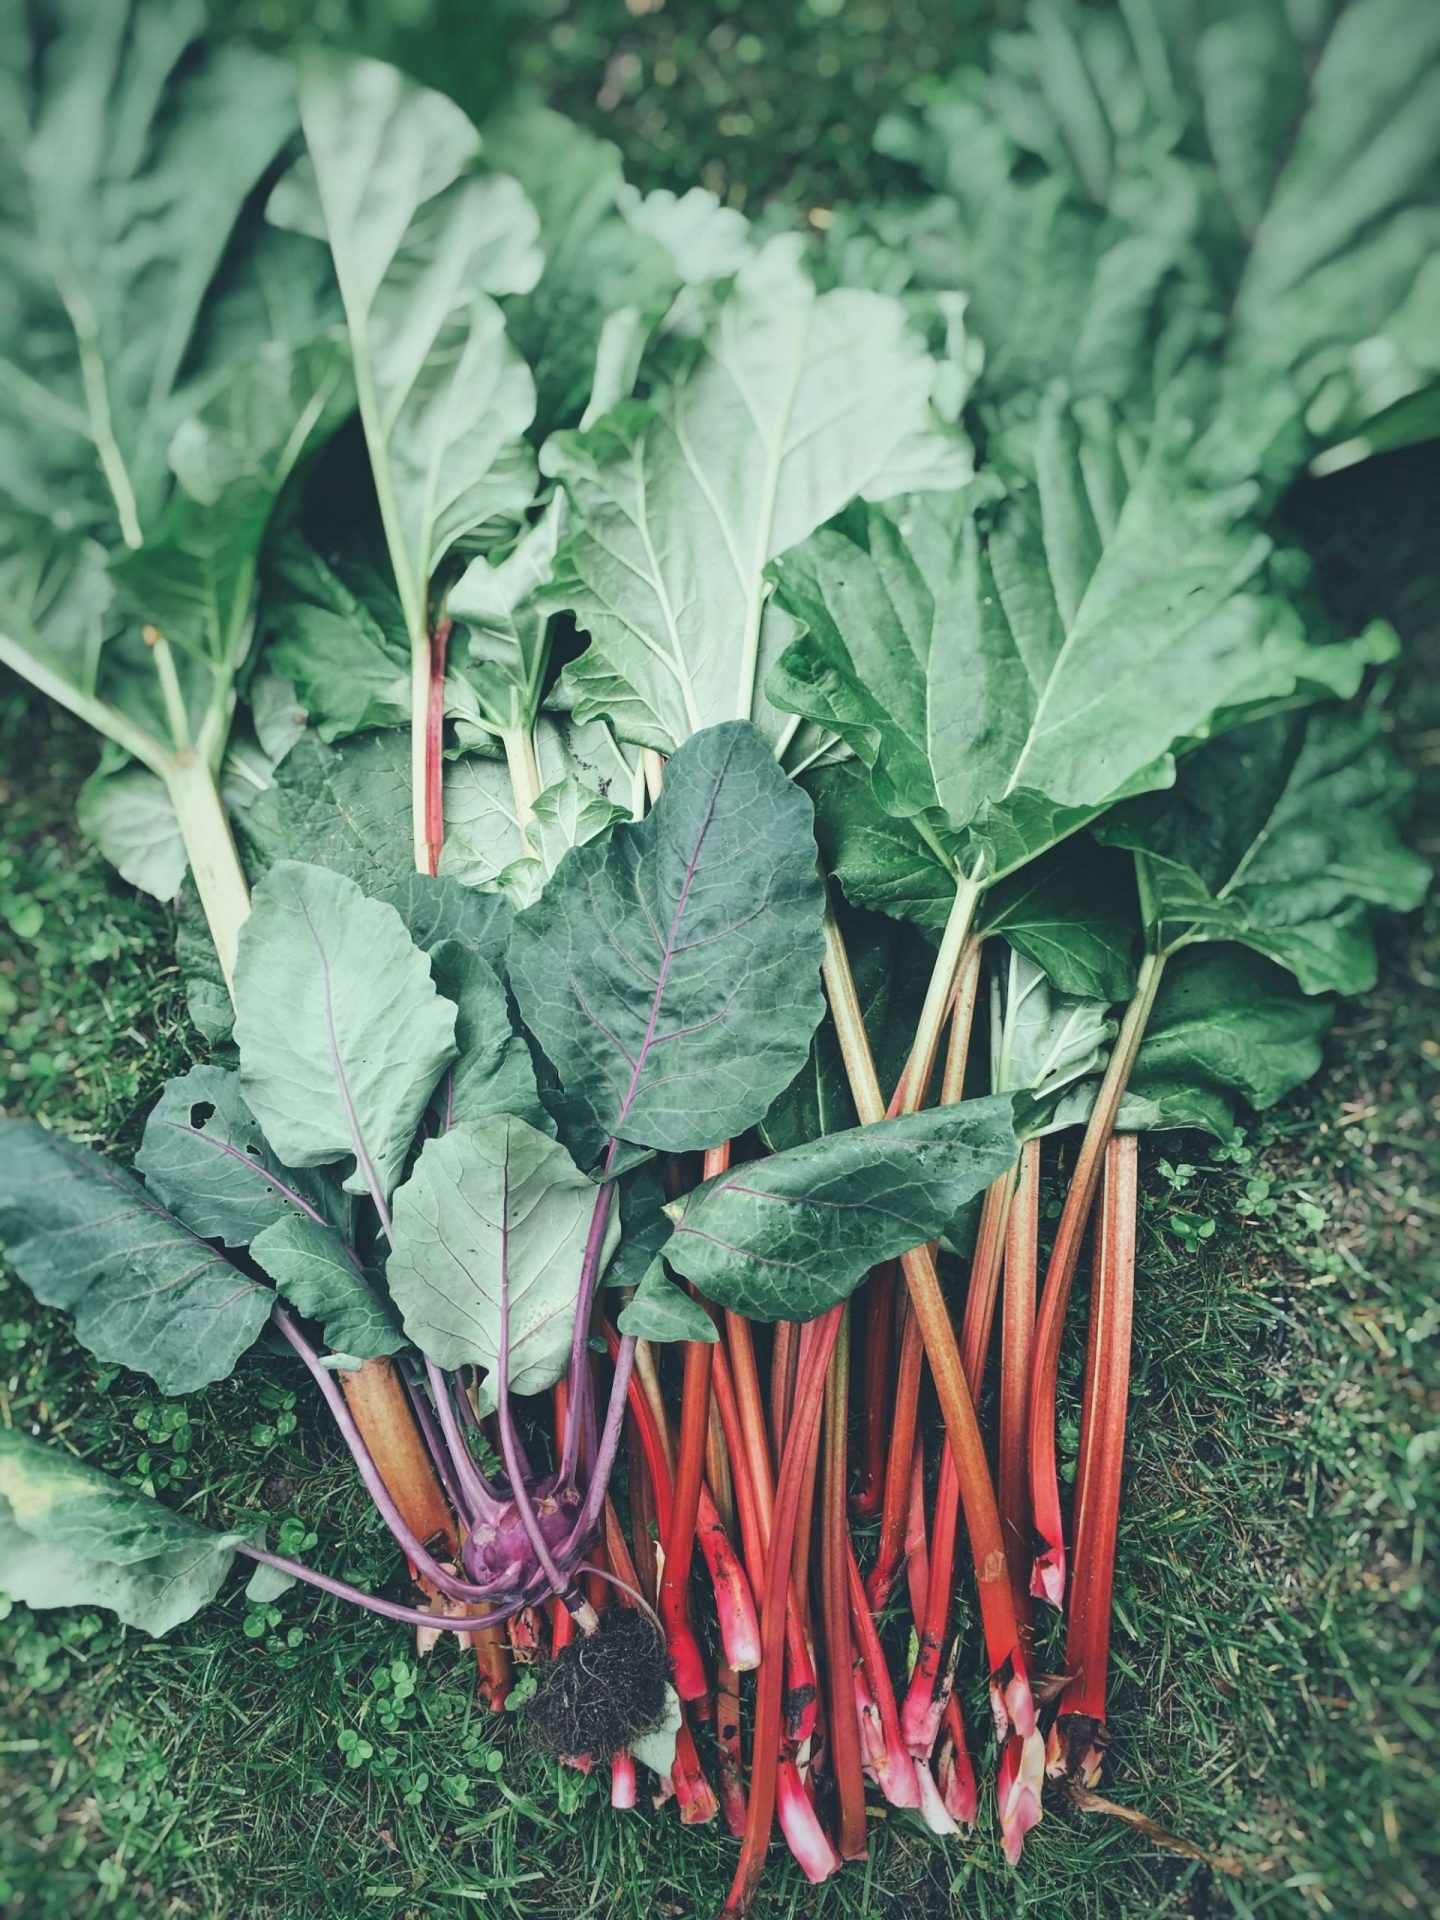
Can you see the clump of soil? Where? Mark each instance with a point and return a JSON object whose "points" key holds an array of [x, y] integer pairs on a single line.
{"points": [[603, 1691]]}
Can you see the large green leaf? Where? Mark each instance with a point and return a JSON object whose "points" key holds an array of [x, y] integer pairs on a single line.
{"points": [[492, 1071], [341, 1032], [580, 768], [492, 1224], [792, 403], [345, 806], [1074, 913], [671, 970], [1008, 673], [136, 152], [321, 1278], [613, 258], [422, 240], [71, 1536], [1283, 836], [658, 1310], [785, 1238], [203, 1155], [499, 615], [437, 910], [1228, 1027], [144, 1290]]}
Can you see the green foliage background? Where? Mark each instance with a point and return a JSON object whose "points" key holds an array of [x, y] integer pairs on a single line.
{"points": [[1277, 1617]]}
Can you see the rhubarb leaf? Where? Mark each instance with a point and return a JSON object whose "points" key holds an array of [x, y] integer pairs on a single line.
{"points": [[345, 807], [492, 1071], [1227, 1028], [342, 1035], [959, 649], [658, 1310], [145, 1291], [492, 1203], [1282, 836], [319, 1276], [499, 617], [792, 403], [785, 1238], [121, 125], [671, 970], [203, 1155], [421, 240], [73, 1536]]}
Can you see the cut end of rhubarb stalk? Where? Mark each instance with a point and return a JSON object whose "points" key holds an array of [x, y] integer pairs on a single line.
{"points": [[604, 1690], [1011, 1701], [799, 1822], [622, 1782], [1076, 1749], [955, 1773], [1047, 1576], [1018, 1788], [933, 1810]]}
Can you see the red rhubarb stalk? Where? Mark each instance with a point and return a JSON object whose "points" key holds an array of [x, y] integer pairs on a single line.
{"points": [[904, 1417], [1017, 1336], [1009, 1681], [917, 1545], [817, 1342], [955, 1771], [894, 1774], [730, 1754], [435, 745], [1047, 1580], [1078, 1739], [845, 1760]]}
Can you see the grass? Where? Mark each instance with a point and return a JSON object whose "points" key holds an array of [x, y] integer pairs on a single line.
{"points": [[1277, 1623]]}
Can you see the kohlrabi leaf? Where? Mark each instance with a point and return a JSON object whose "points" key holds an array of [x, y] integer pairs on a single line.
{"points": [[342, 1035], [1282, 836], [320, 1277], [203, 1155], [422, 239], [785, 1238], [71, 1536], [492, 1071], [1228, 1029], [1010, 672], [791, 404], [346, 807], [671, 970], [145, 1291], [490, 1234], [644, 1226], [659, 1310], [437, 910]]}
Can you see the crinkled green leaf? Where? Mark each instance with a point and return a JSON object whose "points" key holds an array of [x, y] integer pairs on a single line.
{"points": [[1282, 836], [345, 806], [319, 1276], [785, 1238], [342, 1035], [203, 1155], [492, 1205], [792, 403], [671, 970], [421, 240], [1008, 675], [72, 1536], [1228, 1027], [145, 1291], [1074, 913]]}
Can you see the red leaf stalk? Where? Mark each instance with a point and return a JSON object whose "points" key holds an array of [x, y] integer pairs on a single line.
{"points": [[1047, 1580], [817, 1341], [903, 1422], [1077, 1742], [729, 1751], [435, 745], [1017, 1335], [845, 1757]]}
